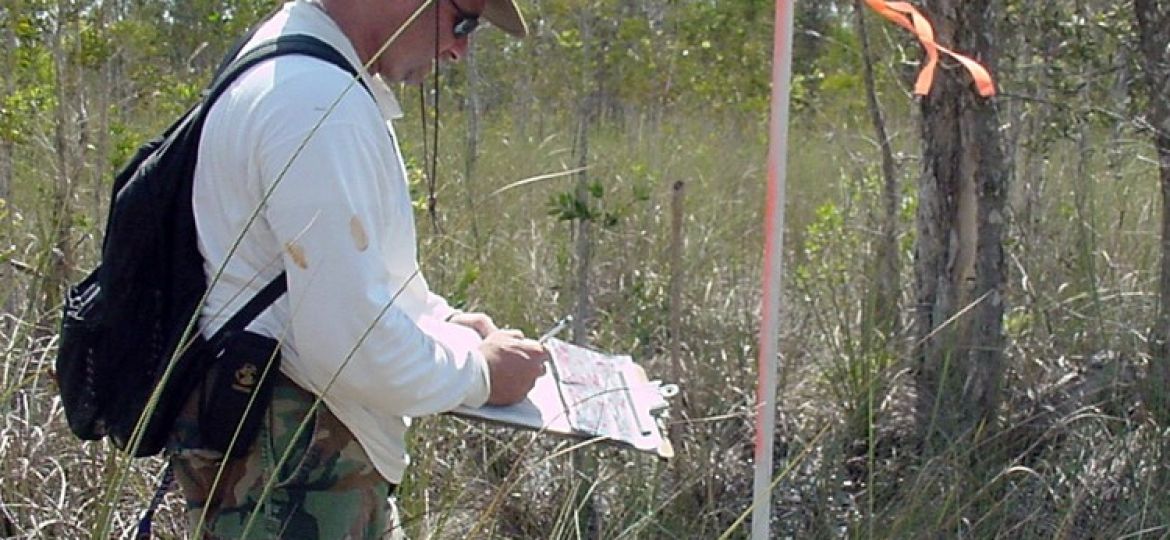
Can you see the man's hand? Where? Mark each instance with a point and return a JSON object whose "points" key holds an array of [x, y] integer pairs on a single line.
{"points": [[514, 362], [479, 322]]}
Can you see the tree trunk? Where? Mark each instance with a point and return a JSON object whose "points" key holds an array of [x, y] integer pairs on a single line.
{"points": [[6, 145], [60, 261], [103, 95], [1084, 197], [6, 166], [1153, 22], [959, 267], [471, 155], [883, 309], [8, 299]]}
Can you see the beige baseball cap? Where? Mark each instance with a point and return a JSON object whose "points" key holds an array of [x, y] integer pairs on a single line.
{"points": [[505, 15]]}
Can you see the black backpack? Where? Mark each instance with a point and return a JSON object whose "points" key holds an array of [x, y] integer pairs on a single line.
{"points": [[129, 332]]}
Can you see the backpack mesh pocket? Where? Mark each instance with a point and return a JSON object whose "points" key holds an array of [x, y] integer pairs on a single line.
{"points": [[77, 373]]}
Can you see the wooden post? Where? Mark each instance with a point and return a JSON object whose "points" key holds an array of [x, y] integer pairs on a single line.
{"points": [[676, 279], [584, 462]]}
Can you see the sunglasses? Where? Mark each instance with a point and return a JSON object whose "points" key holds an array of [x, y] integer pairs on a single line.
{"points": [[465, 23]]}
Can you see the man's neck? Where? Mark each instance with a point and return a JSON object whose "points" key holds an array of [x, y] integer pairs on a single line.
{"points": [[347, 14]]}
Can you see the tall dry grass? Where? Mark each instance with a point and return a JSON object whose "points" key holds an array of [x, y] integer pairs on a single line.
{"points": [[1072, 455]]}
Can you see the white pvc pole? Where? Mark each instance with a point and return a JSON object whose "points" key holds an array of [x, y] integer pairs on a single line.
{"points": [[773, 270]]}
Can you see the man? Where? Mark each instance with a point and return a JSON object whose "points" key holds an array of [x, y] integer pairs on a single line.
{"points": [[359, 324]]}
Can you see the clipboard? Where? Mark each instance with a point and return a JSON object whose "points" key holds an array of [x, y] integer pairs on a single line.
{"points": [[589, 394]]}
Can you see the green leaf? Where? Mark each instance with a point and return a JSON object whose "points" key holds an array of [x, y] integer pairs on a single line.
{"points": [[596, 189]]}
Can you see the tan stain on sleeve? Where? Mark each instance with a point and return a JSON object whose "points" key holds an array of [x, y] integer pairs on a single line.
{"points": [[358, 232], [298, 255]]}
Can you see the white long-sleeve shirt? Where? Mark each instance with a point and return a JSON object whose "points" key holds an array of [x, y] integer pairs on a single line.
{"points": [[339, 222]]}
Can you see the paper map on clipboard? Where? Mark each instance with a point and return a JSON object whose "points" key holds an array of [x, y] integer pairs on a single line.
{"points": [[588, 394]]}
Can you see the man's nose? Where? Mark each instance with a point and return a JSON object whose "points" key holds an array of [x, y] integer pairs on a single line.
{"points": [[457, 50]]}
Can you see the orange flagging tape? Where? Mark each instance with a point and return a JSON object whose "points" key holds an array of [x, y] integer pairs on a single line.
{"points": [[907, 16]]}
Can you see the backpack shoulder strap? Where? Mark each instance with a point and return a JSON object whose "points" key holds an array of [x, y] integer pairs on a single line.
{"points": [[281, 46], [253, 308]]}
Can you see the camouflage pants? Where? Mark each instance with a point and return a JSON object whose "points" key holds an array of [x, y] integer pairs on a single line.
{"points": [[327, 488]]}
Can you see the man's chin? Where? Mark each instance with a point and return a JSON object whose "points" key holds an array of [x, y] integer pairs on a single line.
{"points": [[416, 76]]}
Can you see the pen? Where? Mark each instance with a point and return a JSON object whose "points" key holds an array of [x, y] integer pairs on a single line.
{"points": [[552, 363], [557, 328]]}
